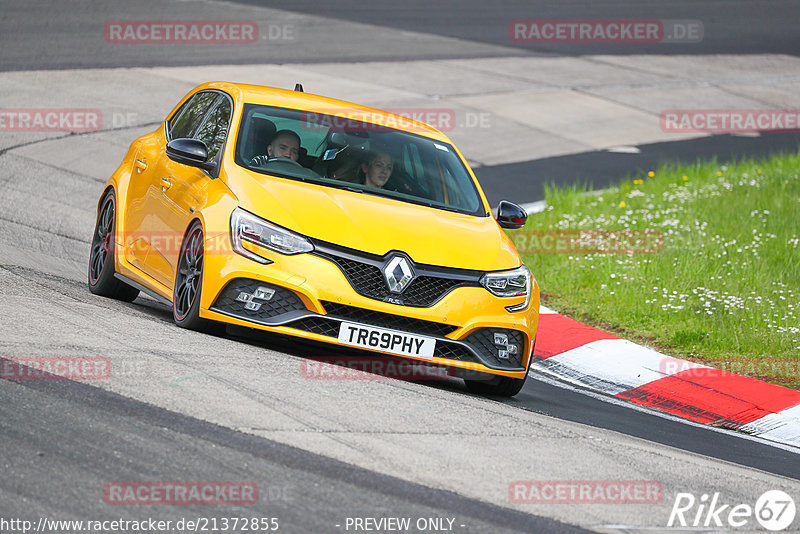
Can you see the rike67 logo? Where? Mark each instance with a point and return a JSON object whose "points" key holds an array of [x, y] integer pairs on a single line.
{"points": [[774, 510]]}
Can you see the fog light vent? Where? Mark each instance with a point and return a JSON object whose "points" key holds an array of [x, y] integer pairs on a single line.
{"points": [[504, 348]]}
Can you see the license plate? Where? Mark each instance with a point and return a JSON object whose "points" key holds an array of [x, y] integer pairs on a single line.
{"points": [[393, 341]]}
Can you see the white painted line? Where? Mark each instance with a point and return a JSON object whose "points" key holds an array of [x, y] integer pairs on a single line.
{"points": [[624, 150], [783, 426], [611, 365], [604, 368], [534, 207], [547, 311], [556, 381]]}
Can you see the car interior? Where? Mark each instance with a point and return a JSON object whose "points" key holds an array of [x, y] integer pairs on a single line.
{"points": [[420, 171]]}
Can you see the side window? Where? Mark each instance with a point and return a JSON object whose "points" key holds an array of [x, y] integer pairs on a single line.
{"points": [[193, 113], [215, 128]]}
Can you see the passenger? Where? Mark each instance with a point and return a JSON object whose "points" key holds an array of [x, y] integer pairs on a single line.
{"points": [[285, 144], [377, 170]]}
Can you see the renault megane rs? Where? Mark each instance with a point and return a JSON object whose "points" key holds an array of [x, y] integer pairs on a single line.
{"points": [[303, 215]]}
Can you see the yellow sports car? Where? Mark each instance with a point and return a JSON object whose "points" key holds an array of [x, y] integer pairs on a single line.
{"points": [[313, 217]]}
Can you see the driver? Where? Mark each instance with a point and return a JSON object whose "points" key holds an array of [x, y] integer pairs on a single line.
{"points": [[285, 144]]}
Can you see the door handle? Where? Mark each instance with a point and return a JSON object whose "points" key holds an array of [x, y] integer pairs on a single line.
{"points": [[141, 164], [165, 184]]}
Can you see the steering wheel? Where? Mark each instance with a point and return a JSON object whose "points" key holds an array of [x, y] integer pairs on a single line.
{"points": [[279, 161], [402, 183]]}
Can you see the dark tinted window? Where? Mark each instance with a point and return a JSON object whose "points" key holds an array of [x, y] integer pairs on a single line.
{"points": [[338, 151], [213, 131], [192, 114]]}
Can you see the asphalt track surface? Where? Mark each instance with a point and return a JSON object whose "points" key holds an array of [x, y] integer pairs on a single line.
{"points": [[731, 27], [601, 168], [65, 472], [35, 34], [61, 440]]}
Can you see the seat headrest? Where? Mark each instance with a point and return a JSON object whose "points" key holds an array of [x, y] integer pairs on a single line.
{"points": [[263, 132]]}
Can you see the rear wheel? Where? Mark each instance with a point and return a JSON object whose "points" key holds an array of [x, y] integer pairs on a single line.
{"points": [[189, 283], [101, 259]]}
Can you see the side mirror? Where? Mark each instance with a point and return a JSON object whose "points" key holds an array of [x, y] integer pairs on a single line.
{"points": [[510, 216], [192, 152]]}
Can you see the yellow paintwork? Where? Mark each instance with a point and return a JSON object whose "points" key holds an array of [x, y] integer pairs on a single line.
{"points": [[364, 222]]}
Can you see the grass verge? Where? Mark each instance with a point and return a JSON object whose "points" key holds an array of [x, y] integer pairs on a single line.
{"points": [[701, 262]]}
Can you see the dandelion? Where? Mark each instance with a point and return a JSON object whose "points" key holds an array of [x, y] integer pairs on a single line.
{"points": [[651, 174], [719, 173], [685, 178], [622, 204]]}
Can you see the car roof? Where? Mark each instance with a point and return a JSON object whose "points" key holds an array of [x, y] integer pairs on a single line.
{"points": [[284, 98]]}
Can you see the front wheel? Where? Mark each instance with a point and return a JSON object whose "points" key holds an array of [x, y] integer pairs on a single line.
{"points": [[502, 386], [101, 259], [189, 283]]}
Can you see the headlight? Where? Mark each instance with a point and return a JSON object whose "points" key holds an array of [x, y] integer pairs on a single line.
{"points": [[514, 283], [247, 228]]}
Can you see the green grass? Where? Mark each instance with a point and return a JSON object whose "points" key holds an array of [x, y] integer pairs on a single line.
{"points": [[724, 289]]}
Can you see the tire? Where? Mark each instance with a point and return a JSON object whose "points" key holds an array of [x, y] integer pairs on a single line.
{"points": [[501, 386], [189, 284], [101, 258]]}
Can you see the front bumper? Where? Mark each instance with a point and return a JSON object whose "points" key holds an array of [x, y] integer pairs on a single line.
{"points": [[313, 296]]}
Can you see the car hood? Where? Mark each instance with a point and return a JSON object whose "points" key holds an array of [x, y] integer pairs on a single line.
{"points": [[375, 224]]}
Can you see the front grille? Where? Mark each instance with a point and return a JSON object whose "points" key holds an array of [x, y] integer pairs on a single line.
{"points": [[285, 307], [454, 351], [330, 327], [481, 341], [425, 291], [388, 320], [366, 277], [317, 325], [282, 301]]}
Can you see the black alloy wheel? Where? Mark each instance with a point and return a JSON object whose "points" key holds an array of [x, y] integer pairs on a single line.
{"points": [[189, 284], [101, 259]]}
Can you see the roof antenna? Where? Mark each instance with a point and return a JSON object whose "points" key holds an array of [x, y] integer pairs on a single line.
{"points": [[298, 87]]}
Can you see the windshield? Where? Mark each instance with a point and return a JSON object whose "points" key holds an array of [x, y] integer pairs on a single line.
{"points": [[359, 156]]}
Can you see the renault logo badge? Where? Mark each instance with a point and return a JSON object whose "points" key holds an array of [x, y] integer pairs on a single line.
{"points": [[398, 273]]}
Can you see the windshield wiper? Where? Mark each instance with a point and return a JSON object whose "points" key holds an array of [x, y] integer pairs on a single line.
{"points": [[440, 207], [388, 194], [346, 186], [446, 208]]}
